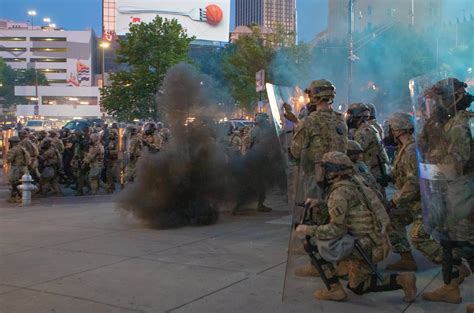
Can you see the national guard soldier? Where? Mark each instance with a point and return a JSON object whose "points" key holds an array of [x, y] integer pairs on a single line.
{"points": [[40, 135], [323, 130], [245, 139], [18, 159], [95, 161], [111, 160], [369, 139], [405, 207], [56, 142], [355, 153], [450, 198], [373, 119], [80, 170], [234, 149], [49, 167], [353, 210], [134, 152], [151, 137], [32, 149]]}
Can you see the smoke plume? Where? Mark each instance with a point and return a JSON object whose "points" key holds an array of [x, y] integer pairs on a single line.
{"points": [[191, 180]]}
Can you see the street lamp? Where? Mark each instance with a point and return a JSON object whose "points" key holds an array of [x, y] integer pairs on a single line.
{"points": [[104, 45], [52, 25], [32, 13], [47, 20]]}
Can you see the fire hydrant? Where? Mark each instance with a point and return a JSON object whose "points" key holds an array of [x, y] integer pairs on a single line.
{"points": [[26, 188]]}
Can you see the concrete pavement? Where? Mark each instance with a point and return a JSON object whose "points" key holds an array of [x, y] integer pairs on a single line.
{"points": [[83, 255]]}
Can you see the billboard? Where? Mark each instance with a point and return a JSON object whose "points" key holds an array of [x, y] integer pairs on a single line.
{"points": [[204, 19]]}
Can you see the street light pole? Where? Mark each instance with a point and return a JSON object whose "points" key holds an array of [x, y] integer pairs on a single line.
{"points": [[351, 51], [103, 45], [32, 13]]}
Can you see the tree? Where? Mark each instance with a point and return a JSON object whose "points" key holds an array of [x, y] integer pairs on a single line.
{"points": [[9, 78], [148, 50]]}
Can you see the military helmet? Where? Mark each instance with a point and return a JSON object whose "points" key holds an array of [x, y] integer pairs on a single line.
{"points": [[353, 147], [46, 143], [401, 121], [160, 125], [373, 111], [358, 110], [22, 134], [14, 139], [149, 128], [336, 164], [52, 133], [321, 88], [95, 137]]}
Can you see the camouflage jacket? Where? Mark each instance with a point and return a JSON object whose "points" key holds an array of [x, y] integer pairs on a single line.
{"points": [[95, 156], [58, 144], [348, 213], [405, 177], [377, 127], [49, 157], [320, 132], [235, 143], [374, 154], [459, 142], [153, 142], [363, 170], [135, 148], [18, 156], [113, 149], [31, 147]]}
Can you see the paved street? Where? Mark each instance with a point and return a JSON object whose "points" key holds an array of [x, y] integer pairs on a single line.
{"points": [[82, 255]]}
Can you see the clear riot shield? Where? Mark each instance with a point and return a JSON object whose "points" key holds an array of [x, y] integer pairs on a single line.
{"points": [[296, 289], [444, 144]]}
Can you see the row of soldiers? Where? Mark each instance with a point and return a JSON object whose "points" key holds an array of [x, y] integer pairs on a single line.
{"points": [[86, 159], [345, 171]]}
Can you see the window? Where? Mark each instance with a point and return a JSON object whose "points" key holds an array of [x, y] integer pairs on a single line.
{"points": [[12, 38], [14, 59], [48, 49], [48, 60], [52, 70], [48, 38], [12, 49]]}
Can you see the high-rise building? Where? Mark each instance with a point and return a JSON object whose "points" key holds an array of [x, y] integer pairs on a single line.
{"points": [[371, 14], [267, 13]]}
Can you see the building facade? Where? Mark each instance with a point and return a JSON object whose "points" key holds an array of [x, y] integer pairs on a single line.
{"points": [[372, 14], [66, 58], [267, 13]]}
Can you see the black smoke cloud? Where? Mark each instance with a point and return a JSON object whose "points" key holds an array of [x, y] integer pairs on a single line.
{"points": [[191, 180]]}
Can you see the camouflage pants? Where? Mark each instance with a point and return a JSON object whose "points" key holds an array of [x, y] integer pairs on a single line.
{"points": [[130, 172], [94, 177], [421, 240], [14, 175], [111, 174]]}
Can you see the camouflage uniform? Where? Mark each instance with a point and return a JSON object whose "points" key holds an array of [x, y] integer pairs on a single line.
{"points": [[134, 152], [235, 145], [95, 160], [111, 161], [408, 207], [320, 132], [153, 142], [351, 212], [245, 140], [49, 165], [18, 160], [80, 169], [32, 149]]}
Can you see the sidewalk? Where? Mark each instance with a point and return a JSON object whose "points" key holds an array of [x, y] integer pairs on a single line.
{"points": [[82, 255]]}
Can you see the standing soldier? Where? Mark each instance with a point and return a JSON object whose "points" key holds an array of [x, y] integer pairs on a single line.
{"points": [[56, 141], [79, 168], [32, 149], [134, 152], [322, 131], [151, 137], [234, 149], [373, 119], [111, 160], [351, 212], [95, 161], [369, 139], [49, 165], [245, 140], [18, 159]]}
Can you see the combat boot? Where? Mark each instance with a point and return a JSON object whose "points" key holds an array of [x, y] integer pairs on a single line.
{"points": [[262, 208], [463, 273], [336, 293], [406, 263], [408, 283], [446, 293], [307, 270], [470, 308]]}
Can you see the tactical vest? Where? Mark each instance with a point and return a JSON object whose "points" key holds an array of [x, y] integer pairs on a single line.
{"points": [[374, 154], [463, 119], [327, 132], [368, 216]]}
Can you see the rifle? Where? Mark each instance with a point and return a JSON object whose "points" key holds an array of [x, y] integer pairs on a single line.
{"points": [[385, 178], [310, 249]]}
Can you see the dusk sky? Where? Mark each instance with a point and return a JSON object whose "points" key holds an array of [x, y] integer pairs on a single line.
{"points": [[81, 14]]}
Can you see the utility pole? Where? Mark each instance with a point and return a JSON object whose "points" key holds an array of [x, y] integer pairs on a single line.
{"points": [[351, 56]]}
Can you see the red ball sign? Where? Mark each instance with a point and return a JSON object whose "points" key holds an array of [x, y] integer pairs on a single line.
{"points": [[213, 14]]}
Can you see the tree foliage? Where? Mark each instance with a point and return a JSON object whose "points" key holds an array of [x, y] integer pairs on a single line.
{"points": [[9, 78], [148, 50]]}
